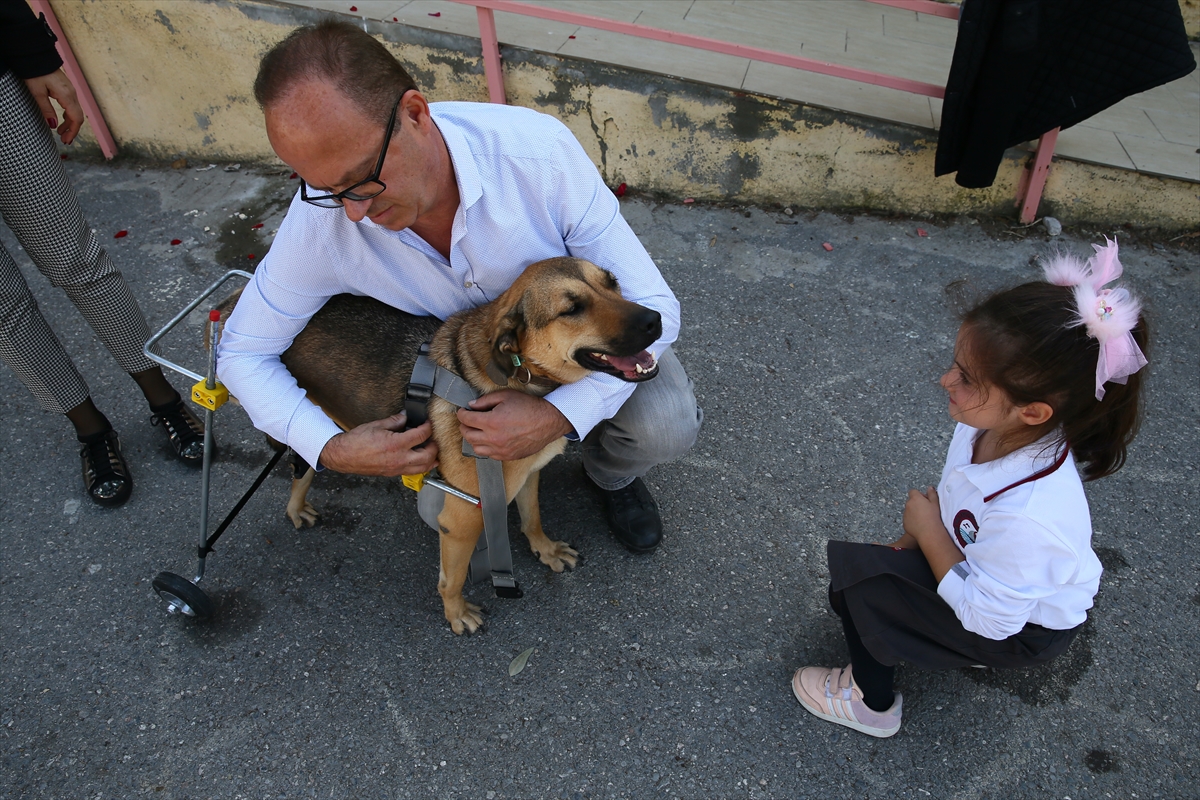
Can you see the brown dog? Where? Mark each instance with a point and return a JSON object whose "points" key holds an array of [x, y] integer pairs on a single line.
{"points": [[564, 317]]}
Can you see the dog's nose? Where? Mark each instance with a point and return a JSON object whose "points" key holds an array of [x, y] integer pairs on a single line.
{"points": [[648, 320]]}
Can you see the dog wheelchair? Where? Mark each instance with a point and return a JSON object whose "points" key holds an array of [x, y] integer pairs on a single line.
{"points": [[181, 595], [492, 557]]}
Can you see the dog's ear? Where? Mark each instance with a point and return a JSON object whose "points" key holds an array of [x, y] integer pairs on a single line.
{"points": [[506, 343]]}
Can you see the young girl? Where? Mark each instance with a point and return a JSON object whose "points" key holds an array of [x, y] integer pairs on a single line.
{"points": [[995, 566]]}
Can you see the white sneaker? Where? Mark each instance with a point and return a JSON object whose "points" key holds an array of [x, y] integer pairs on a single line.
{"points": [[833, 695]]}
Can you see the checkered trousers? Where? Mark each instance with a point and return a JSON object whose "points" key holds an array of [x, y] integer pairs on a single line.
{"points": [[41, 208]]}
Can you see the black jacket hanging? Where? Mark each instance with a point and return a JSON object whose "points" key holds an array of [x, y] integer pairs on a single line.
{"points": [[1024, 67], [26, 41]]}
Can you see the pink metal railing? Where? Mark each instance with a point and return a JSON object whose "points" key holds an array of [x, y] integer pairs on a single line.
{"points": [[485, 9], [1033, 177], [1029, 191], [1033, 180], [947, 10], [90, 108]]}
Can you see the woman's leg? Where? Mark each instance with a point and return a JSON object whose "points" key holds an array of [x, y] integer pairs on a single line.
{"points": [[41, 208], [30, 348]]}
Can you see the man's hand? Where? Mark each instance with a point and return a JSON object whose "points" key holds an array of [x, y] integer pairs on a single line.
{"points": [[382, 447], [508, 425], [58, 86]]}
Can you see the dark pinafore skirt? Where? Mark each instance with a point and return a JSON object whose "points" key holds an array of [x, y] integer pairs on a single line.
{"points": [[891, 596]]}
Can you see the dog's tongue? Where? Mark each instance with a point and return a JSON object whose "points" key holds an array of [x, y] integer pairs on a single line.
{"points": [[630, 364]]}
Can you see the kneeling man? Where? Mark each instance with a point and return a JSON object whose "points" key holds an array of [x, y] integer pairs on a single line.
{"points": [[443, 215]]}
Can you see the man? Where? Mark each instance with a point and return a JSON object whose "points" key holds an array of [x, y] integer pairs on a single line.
{"points": [[459, 199]]}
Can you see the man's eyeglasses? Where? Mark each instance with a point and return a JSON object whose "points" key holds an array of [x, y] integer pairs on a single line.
{"points": [[363, 190]]}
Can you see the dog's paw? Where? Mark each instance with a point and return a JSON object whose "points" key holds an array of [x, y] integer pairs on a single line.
{"points": [[465, 616], [556, 555], [303, 515]]}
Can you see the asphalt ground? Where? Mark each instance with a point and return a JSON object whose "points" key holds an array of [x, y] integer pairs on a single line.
{"points": [[328, 670]]}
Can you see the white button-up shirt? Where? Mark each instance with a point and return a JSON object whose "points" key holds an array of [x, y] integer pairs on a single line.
{"points": [[1028, 550], [527, 190]]}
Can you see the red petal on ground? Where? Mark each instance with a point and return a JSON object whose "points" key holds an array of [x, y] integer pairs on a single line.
{"points": [[572, 36], [827, 245], [395, 20], [689, 200], [621, 190], [64, 156], [120, 234], [251, 256], [435, 14], [256, 226], [354, 8], [293, 176], [921, 232], [176, 241]]}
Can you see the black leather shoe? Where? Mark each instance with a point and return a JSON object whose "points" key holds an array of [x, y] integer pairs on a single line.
{"points": [[185, 432], [105, 474], [633, 516]]}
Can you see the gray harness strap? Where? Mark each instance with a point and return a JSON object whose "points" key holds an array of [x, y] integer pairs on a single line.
{"points": [[492, 552], [492, 555]]}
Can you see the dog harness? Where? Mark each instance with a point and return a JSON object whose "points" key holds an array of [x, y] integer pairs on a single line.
{"points": [[492, 555]]}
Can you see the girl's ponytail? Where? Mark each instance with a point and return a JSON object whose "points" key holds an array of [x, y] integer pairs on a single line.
{"points": [[1101, 434], [1072, 344]]}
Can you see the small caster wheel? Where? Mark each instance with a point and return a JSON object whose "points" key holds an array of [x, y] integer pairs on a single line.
{"points": [[182, 596]]}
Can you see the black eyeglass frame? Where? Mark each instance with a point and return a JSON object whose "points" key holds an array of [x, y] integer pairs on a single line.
{"points": [[324, 200]]}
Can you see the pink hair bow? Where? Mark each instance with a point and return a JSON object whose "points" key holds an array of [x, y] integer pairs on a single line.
{"points": [[1108, 314]]}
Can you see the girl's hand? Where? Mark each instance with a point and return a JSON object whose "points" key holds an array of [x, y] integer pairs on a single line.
{"points": [[923, 521], [923, 514], [905, 542]]}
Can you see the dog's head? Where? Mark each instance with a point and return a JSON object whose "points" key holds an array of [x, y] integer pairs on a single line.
{"points": [[566, 318]]}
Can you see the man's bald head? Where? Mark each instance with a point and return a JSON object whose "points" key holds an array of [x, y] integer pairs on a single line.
{"points": [[340, 54]]}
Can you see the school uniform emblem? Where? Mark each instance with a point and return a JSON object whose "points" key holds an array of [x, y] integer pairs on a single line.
{"points": [[965, 528]]}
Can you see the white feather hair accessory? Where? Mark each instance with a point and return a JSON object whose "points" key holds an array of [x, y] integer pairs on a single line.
{"points": [[1109, 315]]}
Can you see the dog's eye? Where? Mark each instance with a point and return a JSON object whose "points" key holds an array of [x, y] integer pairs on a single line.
{"points": [[573, 309]]}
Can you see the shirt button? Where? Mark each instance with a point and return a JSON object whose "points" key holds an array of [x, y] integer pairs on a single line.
{"points": [[468, 284]]}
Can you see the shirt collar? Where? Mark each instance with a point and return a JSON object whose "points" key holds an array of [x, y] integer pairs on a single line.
{"points": [[470, 188], [1017, 465]]}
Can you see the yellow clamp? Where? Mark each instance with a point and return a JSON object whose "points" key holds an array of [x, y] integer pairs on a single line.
{"points": [[414, 482], [213, 398]]}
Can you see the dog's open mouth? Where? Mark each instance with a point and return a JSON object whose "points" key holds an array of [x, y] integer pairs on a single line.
{"points": [[636, 368]]}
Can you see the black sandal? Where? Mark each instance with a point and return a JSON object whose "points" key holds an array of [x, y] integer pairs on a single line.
{"points": [[183, 429], [105, 474]]}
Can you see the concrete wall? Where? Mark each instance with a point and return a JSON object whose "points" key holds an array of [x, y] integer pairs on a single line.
{"points": [[1191, 17], [174, 78]]}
